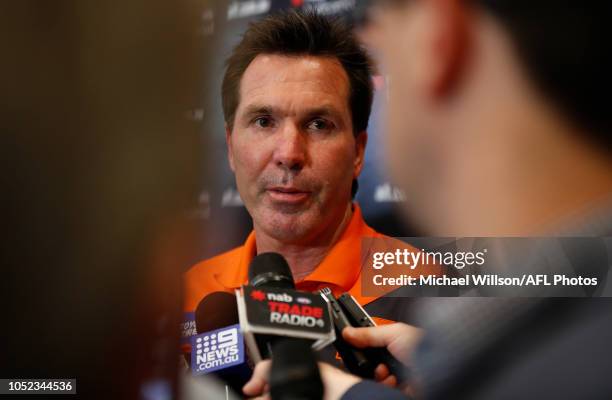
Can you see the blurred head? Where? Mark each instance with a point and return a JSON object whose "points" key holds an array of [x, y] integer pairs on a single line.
{"points": [[100, 169], [495, 109], [296, 99]]}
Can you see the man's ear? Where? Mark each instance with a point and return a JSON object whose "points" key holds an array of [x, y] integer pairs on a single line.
{"points": [[448, 45], [230, 153], [360, 145]]}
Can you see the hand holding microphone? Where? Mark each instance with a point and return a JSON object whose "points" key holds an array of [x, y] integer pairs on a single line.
{"points": [[282, 324], [270, 310], [335, 381], [371, 360], [399, 339]]}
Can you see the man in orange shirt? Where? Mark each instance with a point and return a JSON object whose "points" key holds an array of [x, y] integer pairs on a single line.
{"points": [[297, 95]]}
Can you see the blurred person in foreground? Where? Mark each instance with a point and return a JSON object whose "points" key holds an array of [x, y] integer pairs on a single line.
{"points": [[297, 95], [99, 169], [498, 126]]}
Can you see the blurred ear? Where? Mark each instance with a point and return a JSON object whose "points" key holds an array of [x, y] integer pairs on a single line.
{"points": [[230, 153], [447, 47], [360, 144]]}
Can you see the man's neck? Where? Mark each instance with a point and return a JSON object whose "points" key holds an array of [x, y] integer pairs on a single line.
{"points": [[304, 257]]}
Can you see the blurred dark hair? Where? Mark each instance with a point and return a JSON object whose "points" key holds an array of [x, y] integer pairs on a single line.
{"points": [[302, 33], [565, 47]]}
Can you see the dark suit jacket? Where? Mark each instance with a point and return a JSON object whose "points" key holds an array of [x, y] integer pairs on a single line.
{"points": [[516, 347]]}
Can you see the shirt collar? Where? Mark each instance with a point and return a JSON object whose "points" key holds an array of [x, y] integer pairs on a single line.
{"points": [[339, 269], [342, 265]]}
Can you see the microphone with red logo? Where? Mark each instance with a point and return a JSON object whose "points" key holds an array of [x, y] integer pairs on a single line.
{"points": [[270, 308]]}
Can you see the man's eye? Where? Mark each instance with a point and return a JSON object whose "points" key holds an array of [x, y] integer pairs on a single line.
{"points": [[263, 122], [319, 125]]}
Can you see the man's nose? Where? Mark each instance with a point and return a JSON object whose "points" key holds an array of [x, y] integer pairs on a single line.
{"points": [[291, 149]]}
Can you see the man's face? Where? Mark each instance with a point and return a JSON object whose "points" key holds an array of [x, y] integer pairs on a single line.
{"points": [[292, 146]]}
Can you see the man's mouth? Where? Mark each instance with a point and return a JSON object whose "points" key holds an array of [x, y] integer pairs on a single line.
{"points": [[287, 194]]}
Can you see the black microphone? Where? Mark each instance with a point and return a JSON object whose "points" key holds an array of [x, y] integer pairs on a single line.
{"points": [[270, 270], [353, 358], [271, 309], [294, 374], [216, 310], [358, 317], [218, 347]]}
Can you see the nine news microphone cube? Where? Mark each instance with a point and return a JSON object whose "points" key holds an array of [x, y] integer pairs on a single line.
{"points": [[283, 312], [215, 350]]}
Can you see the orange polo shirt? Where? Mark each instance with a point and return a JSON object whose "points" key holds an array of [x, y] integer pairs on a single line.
{"points": [[340, 269]]}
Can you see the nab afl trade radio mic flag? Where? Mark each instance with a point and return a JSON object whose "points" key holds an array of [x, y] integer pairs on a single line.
{"points": [[283, 312]]}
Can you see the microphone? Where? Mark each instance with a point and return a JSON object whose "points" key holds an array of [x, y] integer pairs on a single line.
{"points": [[218, 346], [216, 310], [294, 374], [270, 308], [353, 358], [270, 270], [358, 317]]}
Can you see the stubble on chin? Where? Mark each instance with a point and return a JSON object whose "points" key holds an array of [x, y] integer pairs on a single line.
{"points": [[285, 224]]}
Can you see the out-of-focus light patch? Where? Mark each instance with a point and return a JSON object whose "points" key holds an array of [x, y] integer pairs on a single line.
{"points": [[231, 198], [159, 389], [249, 8], [378, 81], [387, 193], [196, 114]]}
